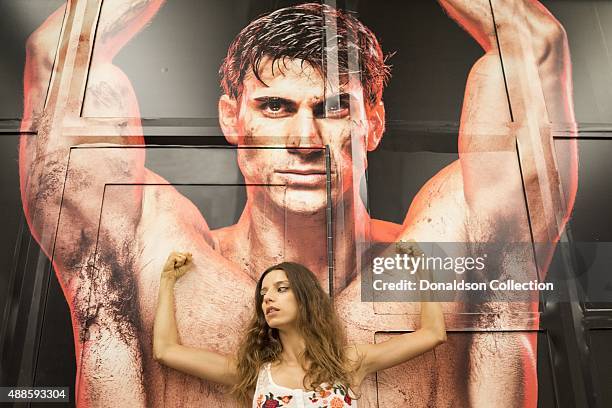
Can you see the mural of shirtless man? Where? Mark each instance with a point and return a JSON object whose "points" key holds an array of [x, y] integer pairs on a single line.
{"points": [[279, 91]]}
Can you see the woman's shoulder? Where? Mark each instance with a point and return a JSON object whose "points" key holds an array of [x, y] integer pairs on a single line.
{"points": [[354, 366], [354, 356]]}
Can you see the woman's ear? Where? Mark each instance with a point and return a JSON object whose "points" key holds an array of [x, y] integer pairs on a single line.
{"points": [[228, 118], [376, 121]]}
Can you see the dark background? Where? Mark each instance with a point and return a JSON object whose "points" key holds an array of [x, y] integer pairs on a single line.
{"points": [[173, 66]]}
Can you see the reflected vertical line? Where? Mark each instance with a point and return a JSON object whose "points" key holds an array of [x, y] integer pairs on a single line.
{"points": [[7, 335], [47, 278], [533, 247], [358, 226], [330, 57], [328, 217], [602, 32], [58, 47], [92, 54], [501, 60], [603, 35], [551, 363], [332, 79]]}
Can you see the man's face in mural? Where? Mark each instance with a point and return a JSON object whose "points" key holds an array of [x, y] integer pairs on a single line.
{"points": [[293, 109]]}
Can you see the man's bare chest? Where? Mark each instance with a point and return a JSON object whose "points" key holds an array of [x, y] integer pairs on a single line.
{"points": [[212, 299], [214, 302]]}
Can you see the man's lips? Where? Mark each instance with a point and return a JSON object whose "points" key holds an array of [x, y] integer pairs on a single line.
{"points": [[302, 172], [306, 178]]}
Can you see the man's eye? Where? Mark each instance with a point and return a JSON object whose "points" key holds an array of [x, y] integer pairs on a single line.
{"points": [[274, 105], [337, 111], [333, 109]]}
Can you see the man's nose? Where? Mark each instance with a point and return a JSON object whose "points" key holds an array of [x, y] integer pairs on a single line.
{"points": [[304, 132]]}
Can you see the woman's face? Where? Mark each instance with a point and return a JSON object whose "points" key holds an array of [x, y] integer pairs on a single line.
{"points": [[279, 304]]}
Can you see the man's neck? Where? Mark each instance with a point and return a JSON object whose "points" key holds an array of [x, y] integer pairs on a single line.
{"points": [[273, 236]]}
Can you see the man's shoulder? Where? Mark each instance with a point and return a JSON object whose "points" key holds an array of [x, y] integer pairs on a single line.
{"points": [[439, 209], [384, 231], [163, 207], [444, 188], [439, 200]]}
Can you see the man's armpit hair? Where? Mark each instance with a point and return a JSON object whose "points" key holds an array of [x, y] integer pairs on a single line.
{"points": [[107, 295]]}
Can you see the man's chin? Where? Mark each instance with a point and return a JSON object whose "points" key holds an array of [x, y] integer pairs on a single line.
{"points": [[303, 202]]}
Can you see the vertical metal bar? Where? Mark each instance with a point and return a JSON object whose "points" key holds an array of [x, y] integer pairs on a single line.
{"points": [[332, 80], [329, 219], [330, 58]]}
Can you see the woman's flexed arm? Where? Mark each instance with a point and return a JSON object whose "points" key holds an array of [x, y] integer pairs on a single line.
{"points": [[399, 349], [167, 348]]}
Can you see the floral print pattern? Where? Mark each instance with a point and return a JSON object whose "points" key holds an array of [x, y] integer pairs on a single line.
{"points": [[330, 397], [270, 395], [273, 401]]}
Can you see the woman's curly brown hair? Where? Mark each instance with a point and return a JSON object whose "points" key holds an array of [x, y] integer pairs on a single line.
{"points": [[319, 325]]}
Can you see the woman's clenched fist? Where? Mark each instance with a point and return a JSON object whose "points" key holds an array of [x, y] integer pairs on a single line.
{"points": [[177, 264]]}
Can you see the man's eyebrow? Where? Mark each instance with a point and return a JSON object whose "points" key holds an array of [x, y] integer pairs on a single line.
{"points": [[273, 98], [341, 96], [344, 96]]}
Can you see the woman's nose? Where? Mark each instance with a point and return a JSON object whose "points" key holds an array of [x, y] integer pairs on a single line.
{"points": [[267, 297]]}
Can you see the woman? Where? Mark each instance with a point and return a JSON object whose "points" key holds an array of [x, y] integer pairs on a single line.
{"points": [[294, 346]]}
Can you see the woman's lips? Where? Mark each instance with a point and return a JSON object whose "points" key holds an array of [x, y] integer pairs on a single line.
{"points": [[271, 310]]}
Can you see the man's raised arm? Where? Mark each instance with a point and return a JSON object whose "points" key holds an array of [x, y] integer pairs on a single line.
{"points": [[44, 157], [94, 258], [533, 47]]}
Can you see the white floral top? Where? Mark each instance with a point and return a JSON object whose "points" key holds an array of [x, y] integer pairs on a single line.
{"points": [[268, 394]]}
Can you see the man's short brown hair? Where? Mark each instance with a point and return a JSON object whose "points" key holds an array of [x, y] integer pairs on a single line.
{"points": [[299, 32]]}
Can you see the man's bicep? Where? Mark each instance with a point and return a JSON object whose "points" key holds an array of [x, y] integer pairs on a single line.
{"points": [[110, 94], [491, 174], [485, 104]]}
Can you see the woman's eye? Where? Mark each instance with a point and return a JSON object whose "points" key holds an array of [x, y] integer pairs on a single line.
{"points": [[283, 288]]}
